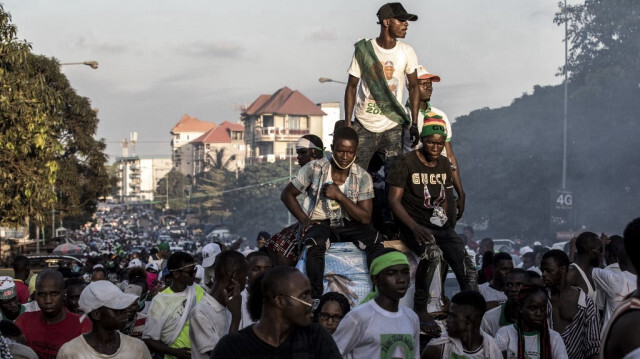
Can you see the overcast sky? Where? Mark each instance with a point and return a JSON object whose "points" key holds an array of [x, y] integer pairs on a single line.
{"points": [[162, 59]]}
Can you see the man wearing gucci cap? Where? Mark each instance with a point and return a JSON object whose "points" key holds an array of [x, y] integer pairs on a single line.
{"points": [[375, 88], [107, 307]]}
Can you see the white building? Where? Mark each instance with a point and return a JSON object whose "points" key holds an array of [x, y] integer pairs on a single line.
{"points": [[138, 177]]}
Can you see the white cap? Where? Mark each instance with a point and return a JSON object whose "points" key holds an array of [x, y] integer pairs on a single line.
{"points": [[153, 266], [103, 294], [135, 263], [209, 254], [423, 74]]}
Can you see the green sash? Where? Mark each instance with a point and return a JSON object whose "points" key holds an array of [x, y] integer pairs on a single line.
{"points": [[372, 72]]}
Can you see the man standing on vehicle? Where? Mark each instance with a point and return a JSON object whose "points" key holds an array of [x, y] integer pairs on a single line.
{"points": [[379, 114]]}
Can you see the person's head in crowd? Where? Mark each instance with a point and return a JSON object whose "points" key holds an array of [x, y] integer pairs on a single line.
{"points": [[613, 250], [230, 272], [286, 297], [209, 254], [486, 245], [514, 281], [309, 148], [50, 294], [72, 289], [554, 266], [631, 237], [106, 305], [140, 289], [344, 147], [164, 250], [533, 318], [99, 273], [535, 278], [11, 331], [262, 238], [539, 251], [465, 314], [152, 268], [433, 137], [468, 233], [259, 263], [502, 264], [21, 267], [153, 251], [589, 248], [135, 263], [391, 277], [528, 260], [9, 304], [332, 308], [182, 267]]}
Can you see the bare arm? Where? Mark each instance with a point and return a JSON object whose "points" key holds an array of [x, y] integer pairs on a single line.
{"points": [[457, 182], [414, 95], [350, 98], [421, 234], [288, 197]]}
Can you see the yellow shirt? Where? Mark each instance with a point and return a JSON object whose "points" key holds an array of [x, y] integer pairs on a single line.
{"points": [[183, 338]]}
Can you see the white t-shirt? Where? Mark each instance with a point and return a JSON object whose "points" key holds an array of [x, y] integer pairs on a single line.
{"points": [[490, 294], [403, 60], [246, 318], [612, 287], [130, 348], [507, 339], [318, 213], [491, 320], [453, 348], [208, 323], [368, 331]]}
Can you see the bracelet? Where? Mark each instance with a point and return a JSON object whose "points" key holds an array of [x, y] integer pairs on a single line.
{"points": [[414, 125]]}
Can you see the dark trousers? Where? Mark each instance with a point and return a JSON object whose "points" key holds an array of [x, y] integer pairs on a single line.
{"points": [[318, 239], [450, 247]]}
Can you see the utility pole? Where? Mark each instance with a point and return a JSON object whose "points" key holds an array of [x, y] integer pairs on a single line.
{"points": [[566, 84]]}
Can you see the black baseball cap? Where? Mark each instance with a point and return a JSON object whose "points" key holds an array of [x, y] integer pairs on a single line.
{"points": [[395, 10]]}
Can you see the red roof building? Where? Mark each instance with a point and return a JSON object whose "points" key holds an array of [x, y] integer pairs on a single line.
{"points": [[273, 123]]}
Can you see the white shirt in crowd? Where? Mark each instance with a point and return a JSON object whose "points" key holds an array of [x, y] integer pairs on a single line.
{"points": [[613, 286], [368, 331], [208, 323], [490, 294], [507, 339], [130, 348]]}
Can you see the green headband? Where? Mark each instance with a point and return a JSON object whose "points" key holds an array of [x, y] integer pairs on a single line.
{"points": [[381, 263]]}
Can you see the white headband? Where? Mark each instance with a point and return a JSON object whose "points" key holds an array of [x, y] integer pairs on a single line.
{"points": [[305, 143]]}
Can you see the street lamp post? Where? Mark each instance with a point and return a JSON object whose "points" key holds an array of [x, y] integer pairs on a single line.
{"points": [[92, 64], [326, 79]]}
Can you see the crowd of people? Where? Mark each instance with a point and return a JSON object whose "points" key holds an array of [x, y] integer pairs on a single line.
{"points": [[392, 187]]}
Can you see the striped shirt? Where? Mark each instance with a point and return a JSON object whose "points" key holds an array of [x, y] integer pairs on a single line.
{"points": [[582, 335]]}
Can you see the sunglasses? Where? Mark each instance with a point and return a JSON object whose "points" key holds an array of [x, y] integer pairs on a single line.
{"points": [[188, 269], [314, 303], [326, 316]]}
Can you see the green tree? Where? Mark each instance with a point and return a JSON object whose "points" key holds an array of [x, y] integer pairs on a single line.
{"points": [[176, 186], [82, 176], [29, 147], [208, 196], [255, 201]]}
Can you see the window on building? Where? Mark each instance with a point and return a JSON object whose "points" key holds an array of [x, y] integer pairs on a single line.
{"points": [[267, 121]]}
